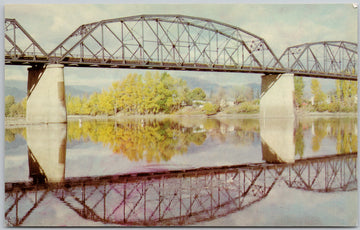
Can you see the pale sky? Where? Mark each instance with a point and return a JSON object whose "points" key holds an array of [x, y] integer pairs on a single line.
{"points": [[280, 25]]}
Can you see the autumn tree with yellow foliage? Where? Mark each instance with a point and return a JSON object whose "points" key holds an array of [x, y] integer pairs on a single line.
{"points": [[154, 93]]}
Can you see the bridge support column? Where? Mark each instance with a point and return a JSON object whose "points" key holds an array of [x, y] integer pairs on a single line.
{"points": [[46, 152], [278, 140], [46, 95], [277, 96]]}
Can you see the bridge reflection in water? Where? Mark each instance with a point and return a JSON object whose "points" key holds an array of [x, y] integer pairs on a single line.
{"points": [[182, 197]]}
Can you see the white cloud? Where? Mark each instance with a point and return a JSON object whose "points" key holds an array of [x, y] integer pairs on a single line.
{"points": [[15, 73]]}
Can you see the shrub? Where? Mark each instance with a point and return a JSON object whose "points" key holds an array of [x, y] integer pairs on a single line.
{"points": [[210, 108], [322, 107], [334, 107], [245, 107]]}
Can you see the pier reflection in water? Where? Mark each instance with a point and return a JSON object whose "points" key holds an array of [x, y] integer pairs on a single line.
{"points": [[46, 152], [181, 196]]}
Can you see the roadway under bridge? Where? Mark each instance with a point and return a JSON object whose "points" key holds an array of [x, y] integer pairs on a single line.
{"points": [[171, 42]]}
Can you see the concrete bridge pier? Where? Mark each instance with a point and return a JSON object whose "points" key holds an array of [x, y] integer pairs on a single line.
{"points": [[46, 94], [277, 96], [46, 152], [277, 118]]}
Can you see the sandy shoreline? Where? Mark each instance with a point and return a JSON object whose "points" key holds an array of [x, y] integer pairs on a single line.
{"points": [[11, 122]]}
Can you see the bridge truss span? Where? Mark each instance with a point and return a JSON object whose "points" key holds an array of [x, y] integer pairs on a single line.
{"points": [[166, 42], [333, 59], [178, 42], [20, 46]]}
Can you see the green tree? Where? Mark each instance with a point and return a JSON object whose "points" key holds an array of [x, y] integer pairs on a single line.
{"points": [[9, 101], [299, 90], [299, 140], [17, 110], [210, 108], [319, 95], [197, 94]]}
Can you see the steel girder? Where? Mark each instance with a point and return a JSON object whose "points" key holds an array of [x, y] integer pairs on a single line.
{"points": [[335, 59], [182, 197], [178, 42], [20, 47], [166, 41]]}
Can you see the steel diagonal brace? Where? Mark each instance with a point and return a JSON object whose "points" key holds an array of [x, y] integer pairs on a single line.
{"points": [[159, 40], [30, 38], [332, 58], [350, 60], [121, 41], [192, 39], [76, 44], [140, 45], [204, 50], [102, 47], [14, 45], [171, 42], [316, 62], [297, 60], [94, 55]]}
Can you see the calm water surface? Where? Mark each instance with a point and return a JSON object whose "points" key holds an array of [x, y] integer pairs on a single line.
{"points": [[279, 172]]}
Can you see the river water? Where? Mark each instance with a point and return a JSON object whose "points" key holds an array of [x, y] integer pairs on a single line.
{"points": [[189, 171]]}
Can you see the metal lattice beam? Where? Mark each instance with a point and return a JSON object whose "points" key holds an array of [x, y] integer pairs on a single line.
{"points": [[178, 42], [331, 58], [166, 41], [20, 46]]}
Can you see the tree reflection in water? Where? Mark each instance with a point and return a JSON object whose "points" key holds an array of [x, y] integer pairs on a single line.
{"points": [[150, 140], [155, 140], [344, 130]]}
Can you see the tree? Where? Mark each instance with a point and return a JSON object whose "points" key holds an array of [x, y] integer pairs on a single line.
{"points": [[9, 101], [220, 97], [242, 94], [319, 95], [17, 110], [105, 103], [210, 108], [197, 94], [299, 90]]}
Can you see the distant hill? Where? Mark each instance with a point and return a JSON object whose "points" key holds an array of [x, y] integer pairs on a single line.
{"points": [[207, 86], [213, 87], [16, 92], [18, 89], [80, 90]]}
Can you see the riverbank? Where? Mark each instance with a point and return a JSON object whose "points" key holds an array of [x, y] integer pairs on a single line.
{"points": [[15, 122]]}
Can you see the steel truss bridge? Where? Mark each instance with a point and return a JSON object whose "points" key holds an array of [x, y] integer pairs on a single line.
{"points": [[182, 197], [178, 42]]}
